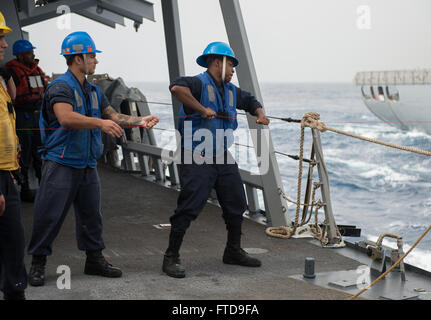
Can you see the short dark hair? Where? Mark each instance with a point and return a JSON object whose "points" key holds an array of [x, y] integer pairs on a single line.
{"points": [[70, 58], [213, 57]]}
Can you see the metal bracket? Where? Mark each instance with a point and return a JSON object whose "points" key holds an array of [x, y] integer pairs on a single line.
{"points": [[334, 237]]}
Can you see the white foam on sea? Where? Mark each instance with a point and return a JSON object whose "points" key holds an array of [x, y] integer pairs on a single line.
{"points": [[399, 135], [368, 170], [388, 176], [353, 164]]}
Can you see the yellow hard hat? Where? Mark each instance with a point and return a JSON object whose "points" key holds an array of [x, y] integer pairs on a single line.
{"points": [[3, 25]]}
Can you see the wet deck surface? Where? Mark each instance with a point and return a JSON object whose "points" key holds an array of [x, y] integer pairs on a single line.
{"points": [[131, 207]]}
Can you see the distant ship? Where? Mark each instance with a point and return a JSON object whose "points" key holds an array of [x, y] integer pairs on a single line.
{"points": [[399, 98]]}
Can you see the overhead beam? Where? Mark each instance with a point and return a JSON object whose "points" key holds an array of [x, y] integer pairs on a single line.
{"points": [[38, 14], [105, 17], [275, 205], [174, 47], [101, 20], [27, 6], [133, 9]]}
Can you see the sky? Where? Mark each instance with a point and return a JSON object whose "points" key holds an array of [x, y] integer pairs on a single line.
{"points": [[290, 40]]}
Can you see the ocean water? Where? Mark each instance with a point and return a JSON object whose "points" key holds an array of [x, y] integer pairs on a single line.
{"points": [[375, 188]]}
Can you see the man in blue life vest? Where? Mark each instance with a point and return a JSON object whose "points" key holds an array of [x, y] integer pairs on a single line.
{"points": [[73, 114], [206, 123], [13, 276]]}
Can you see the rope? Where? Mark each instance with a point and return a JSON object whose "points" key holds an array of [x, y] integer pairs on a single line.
{"points": [[311, 119], [284, 232], [299, 183], [312, 122], [392, 267], [287, 232]]}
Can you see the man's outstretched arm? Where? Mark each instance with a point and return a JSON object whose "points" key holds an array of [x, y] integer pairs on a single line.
{"points": [[124, 120]]}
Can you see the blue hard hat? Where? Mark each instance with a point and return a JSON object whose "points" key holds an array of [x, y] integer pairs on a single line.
{"points": [[218, 48], [78, 42], [21, 46]]}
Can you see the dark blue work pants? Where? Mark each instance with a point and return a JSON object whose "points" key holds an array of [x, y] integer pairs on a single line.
{"points": [[27, 125], [13, 276], [197, 182], [62, 186]]}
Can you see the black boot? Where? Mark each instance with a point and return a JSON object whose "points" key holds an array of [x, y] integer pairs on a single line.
{"points": [[19, 295], [36, 276], [171, 261], [96, 265], [234, 254]]}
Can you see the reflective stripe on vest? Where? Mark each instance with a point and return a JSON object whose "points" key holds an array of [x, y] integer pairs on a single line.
{"points": [[78, 99], [94, 101], [211, 93], [8, 139], [35, 82]]}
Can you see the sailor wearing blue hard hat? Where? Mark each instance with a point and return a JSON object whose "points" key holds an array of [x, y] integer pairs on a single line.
{"points": [[80, 44], [73, 115], [209, 101], [21, 46], [223, 50], [30, 81]]}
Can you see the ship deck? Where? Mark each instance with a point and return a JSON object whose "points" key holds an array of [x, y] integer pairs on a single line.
{"points": [[131, 206]]}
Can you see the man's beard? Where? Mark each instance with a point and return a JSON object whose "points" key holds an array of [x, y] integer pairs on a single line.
{"points": [[88, 71]]}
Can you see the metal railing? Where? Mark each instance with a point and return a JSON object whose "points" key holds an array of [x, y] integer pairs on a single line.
{"points": [[153, 160]]}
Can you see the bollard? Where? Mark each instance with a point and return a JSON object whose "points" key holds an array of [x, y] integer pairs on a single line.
{"points": [[309, 268]]}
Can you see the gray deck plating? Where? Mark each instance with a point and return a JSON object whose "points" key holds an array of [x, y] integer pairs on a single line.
{"points": [[132, 206], [417, 286]]}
